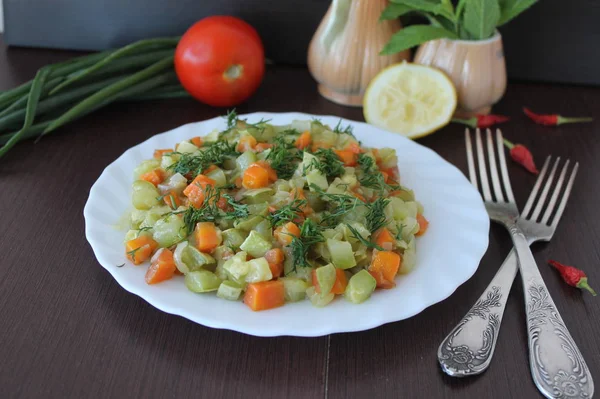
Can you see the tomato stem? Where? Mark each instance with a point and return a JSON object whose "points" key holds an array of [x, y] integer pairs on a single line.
{"points": [[233, 72]]}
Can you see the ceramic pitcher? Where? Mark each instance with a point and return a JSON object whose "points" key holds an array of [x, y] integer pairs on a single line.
{"points": [[477, 69], [343, 55]]}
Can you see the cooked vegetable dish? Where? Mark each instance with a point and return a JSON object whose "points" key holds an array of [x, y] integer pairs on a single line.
{"points": [[273, 214]]}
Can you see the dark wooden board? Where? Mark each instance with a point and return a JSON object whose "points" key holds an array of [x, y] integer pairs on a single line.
{"points": [[70, 331]]}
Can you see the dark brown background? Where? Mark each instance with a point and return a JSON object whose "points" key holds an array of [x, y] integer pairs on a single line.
{"points": [[70, 331], [555, 40]]}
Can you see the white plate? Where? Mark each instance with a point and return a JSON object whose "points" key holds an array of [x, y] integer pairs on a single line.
{"points": [[447, 255]]}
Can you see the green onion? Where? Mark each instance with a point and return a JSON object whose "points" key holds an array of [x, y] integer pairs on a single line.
{"points": [[32, 102], [102, 95], [133, 48]]}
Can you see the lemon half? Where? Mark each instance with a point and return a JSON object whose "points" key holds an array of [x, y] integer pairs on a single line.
{"points": [[410, 99]]}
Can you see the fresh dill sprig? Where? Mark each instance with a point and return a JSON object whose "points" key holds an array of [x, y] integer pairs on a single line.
{"points": [[287, 213], [210, 212], [310, 234], [340, 204], [371, 176], [132, 253], [283, 157], [339, 129], [327, 162], [215, 153], [363, 240], [231, 118], [376, 214]]}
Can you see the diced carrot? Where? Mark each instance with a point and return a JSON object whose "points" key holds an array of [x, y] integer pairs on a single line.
{"points": [[384, 267], [255, 176], [385, 175], [339, 287], [265, 295], [284, 233], [271, 209], [303, 140], [222, 203], [195, 191], [358, 195], [391, 172], [320, 144], [298, 193], [155, 176], [197, 141], [384, 238], [275, 258], [246, 143], [162, 267], [160, 153], [238, 182], [270, 170], [140, 249], [209, 169], [423, 224], [207, 236], [260, 147], [354, 148], [172, 200], [347, 157]]}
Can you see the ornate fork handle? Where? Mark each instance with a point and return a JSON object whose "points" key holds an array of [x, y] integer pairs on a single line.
{"points": [[557, 367], [480, 327]]}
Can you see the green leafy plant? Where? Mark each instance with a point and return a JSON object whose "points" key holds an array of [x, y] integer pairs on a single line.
{"points": [[469, 20]]}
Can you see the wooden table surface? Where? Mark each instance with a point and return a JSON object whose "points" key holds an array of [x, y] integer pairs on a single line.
{"points": [[70, 331]]}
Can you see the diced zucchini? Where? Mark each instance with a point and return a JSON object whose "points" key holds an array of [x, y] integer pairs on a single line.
{"points": [[337, 187], [153, 215], [295, 288], [326, 278], [258, 270], [248, 224], [402, 209], [314, 201], [341, 252], [256, 245], [318, 179], [218, 176], [420, 209], [145, 167], [236, 267], [261, 209], [185, 147], [168, 160], [335, 234], [349, 179], [406, 194], [388, 157], [264, 228], [176, 183], [233, 238], [301, 126], [221, 252], [409, 258], [410, 227], [136, 217], [188, 258], [317, 299], [202, 281], [245, 160], [360, 287], [169, 231], [258, 195], [229, 290], [144, 195], [265, 132], [282, 185], [133, 234]]}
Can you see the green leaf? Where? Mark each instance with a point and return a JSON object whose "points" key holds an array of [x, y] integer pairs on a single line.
{"points": [[511, 8], [414, 35], [440, 22], [460, 7], [432, 6], [481, 18], [394, 11]]}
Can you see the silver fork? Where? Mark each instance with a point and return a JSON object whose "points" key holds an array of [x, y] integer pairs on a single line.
{"points": [[468, 349], [557, 367]]}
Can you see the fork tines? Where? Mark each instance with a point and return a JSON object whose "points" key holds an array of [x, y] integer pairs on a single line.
{"points": [[545, 180]]}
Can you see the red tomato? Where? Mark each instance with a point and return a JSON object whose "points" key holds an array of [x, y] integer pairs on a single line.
{"points": [[220, 61]]}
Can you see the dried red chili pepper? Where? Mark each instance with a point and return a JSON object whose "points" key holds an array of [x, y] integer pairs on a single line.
{"points": [[552, 119], [521, 155], [573, 276], [482, 121]]}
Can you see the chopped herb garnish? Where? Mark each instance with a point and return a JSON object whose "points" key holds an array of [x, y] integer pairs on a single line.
{"points": [[284, 157], [287, 213], [363, 240], [327, 162], [340, 204], [371, 176], [215, 153], [121, 265], [339, 129], [309, 235], [376, 214], [132, 253]]}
